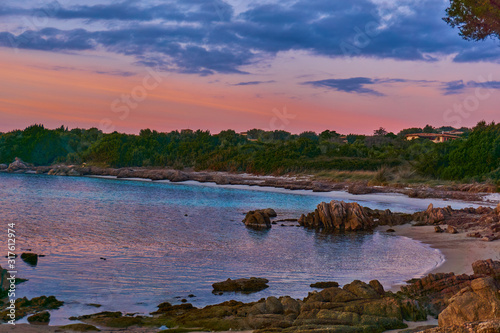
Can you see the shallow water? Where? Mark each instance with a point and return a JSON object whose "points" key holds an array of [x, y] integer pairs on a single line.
{"points": [[164, 240]]}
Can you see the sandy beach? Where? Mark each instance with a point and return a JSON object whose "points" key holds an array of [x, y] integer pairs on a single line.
{"points": [[459, 250]]}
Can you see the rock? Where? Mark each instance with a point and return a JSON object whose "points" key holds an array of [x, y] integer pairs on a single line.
{"points": [[257, 219], [3, 167], [73, 173], [290, 305], [241, 285], [390, 230], [178, 176], [17, 165], [438, 229], [489, 238], [274, 306], [487, 267], [377, 286], [4, 283], [41, 318], [363, 290], [79, 328], [338, 216], [478, 302], [30, 258], [25, 306], [474, 234], [451, 230], [270, 212], [324, 285], [358, 188], [487, 326], [433, 215]]}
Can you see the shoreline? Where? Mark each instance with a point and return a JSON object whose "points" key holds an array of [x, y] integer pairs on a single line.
{"points": [[458, 250], [478, 192]]}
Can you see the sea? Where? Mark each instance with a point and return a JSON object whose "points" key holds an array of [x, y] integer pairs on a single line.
{"points": [[129, 245]]}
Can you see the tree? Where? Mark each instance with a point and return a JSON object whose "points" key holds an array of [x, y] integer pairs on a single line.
{"points": [[380, 132], [476, 19]]}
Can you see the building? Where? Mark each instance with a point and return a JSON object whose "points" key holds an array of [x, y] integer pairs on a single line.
{"points": [[434, 137]]}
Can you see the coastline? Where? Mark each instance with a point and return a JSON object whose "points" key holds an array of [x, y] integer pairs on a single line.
{"points": [[459, 251], [477, 192]]}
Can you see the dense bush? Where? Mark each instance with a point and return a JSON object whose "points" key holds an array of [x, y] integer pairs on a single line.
{"points": [[476, 156]]}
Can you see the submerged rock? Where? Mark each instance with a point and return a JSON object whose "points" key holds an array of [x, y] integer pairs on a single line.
{"points": [[30, 258], [241, 285], [324, 285]]}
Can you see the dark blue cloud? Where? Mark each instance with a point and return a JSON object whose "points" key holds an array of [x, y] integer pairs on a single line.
{"points": [[351, 85], [252, 83], [205, 37], [459, 87]]}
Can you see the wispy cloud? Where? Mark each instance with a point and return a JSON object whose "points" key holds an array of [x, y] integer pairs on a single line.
{"points": [[252, 83]]}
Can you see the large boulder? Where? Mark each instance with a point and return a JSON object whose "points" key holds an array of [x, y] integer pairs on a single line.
{"points": [[480, 301], [433, 215], [41, 318], [338, 216], [17, 165], [487, 267], [241, 285], [259, 219]]}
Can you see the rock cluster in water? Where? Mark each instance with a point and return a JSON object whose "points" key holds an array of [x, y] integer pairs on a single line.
{"points": [[241, 285], [259, 219]]}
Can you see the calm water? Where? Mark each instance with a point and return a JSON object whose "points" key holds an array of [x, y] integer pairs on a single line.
{"points": [[156, 253]]}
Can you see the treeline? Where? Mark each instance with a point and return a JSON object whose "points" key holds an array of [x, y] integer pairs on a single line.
{"points": [[256, 151]]}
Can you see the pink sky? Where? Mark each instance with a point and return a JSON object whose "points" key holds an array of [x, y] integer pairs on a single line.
{"points": [[93, 65]]}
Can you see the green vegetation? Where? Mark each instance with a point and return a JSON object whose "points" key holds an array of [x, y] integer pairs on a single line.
{"points": [[382, 157], [476, 19]]}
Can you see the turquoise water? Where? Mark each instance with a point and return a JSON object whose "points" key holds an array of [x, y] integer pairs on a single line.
{"points": [[164, 241]]}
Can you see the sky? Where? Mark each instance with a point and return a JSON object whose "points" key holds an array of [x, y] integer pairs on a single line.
{"points": [[305, 65]]}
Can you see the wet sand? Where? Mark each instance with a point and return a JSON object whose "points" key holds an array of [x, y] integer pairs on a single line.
{"points": [[459, 250]]}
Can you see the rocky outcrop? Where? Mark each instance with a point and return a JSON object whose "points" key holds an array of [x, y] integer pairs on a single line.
{"points": [[480, 301], [259, 219], [241, 285], [436, 290], [357, 307], [17, 165], [3, 167], [433, 215], [41, 318], [487, 326], [339, 216], [25, 306], [487, 268]]}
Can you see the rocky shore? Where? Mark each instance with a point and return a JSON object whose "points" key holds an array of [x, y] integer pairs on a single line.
{"points": [[466, 192], [461, 301]]}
